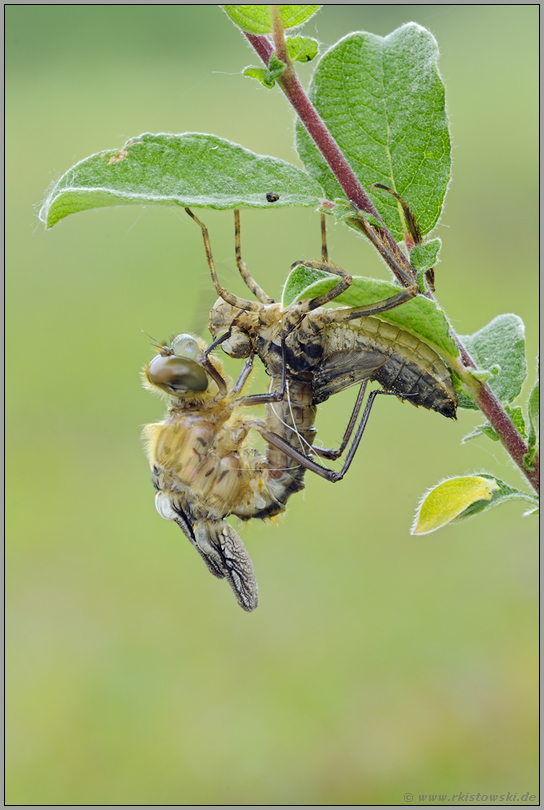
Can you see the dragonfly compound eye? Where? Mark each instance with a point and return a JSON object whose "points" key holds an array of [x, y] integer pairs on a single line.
{"points": [[185, 346], [177, 375]]}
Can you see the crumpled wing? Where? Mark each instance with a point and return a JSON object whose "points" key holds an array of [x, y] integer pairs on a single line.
{"points": [[342, 369], [220, 547], [170, 509]]}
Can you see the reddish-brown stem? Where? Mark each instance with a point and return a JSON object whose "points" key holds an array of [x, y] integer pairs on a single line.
{"points": [[316, 128], [503, 426], [309, 116], [506, 430], [319, 133]]}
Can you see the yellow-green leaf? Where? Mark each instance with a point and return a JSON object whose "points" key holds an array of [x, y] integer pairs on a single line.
{"points": [[445, 502], [256, 19]]}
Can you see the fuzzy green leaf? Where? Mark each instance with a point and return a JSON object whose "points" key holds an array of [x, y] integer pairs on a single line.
{"points": [[383, 101], [533, 418], [302, 49], [261, 74], [500, 344], [425, 256], [275, 67], [190, 169], [481, 430], [503, 492], [533, 410], [516, 415], [420, 316], [458, 498], [266, 77], [449, 499], [257, 20]]}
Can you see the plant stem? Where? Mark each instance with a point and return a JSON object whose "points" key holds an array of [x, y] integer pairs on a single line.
{"points": [[509, 436], [485, 398], [491, 407], [293, 89], [291, 86]]}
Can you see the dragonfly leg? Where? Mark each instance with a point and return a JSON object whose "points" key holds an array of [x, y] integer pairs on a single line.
{"points": [[255, 288], [352, 313], [227, 296], [398, 263], [215, 375], [334, 454], [321, 300], [396, 260], [324, 250], [242, 379], [313, 466], [275, 396], [405, 294], [221, 339], [250, 282], [359, 434], [411, 222]]}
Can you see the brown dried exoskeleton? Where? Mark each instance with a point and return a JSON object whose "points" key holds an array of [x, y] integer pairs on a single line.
{"points": [[327, 350]]}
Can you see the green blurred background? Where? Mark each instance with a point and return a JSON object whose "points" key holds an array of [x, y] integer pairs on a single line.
{"points": [[377, 663]]}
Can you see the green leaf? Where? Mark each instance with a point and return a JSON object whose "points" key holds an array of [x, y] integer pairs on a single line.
{"points": [[533, 412], [515, 414], [261, 74], [383, 101], [256, 19], [369, 218], [502, 344], [422, 258], [458, 498], [275, 67], [449, 499], [425, 256], [420, 316], [266, 77], [533, 418], [503, 492], [190, 169], [302, 49], [486, 374], [481, 430]]}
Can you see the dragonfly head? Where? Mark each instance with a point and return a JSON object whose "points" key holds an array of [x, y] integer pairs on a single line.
{"points": [[174, 369]]}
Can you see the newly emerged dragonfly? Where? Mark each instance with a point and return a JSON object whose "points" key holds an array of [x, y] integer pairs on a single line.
{"points": [[203, 467]]}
